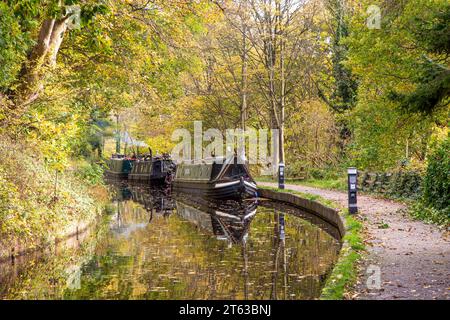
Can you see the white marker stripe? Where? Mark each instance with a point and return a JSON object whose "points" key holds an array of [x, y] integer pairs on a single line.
{"points": [[250, 214]]}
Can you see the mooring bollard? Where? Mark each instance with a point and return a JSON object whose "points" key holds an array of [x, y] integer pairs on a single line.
{"points": [[281, 175], [352, 190]]}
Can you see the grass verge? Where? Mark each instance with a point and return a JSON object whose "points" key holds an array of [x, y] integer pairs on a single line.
{"points": [[344, 273], [331, 184]]}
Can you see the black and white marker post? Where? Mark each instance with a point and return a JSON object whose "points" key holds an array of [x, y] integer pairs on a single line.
{"points": [[352, 190], [281, 175]]}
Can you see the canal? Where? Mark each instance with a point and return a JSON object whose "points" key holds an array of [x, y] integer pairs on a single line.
{"points": [[153, 244]]}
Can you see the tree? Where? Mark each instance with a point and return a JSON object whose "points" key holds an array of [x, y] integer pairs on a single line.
{"points": [[341, 95], [432, 34], [284, 54], [44, 52], [402, 96]]}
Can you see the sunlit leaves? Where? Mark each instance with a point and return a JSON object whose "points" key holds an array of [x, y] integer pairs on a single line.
{"points": [[399, 74]]}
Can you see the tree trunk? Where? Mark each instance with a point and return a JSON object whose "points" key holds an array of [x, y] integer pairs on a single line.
{"points": [[43, 54], [244, 77], [30, 74], [283, 82], [59, 30]]}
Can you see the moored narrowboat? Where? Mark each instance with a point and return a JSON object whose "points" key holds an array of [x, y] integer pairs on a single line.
{"points": [[217, 178], [157, 170], [119, 166]]}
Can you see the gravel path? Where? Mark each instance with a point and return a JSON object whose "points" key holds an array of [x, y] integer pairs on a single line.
{"points": [[411, 257]]}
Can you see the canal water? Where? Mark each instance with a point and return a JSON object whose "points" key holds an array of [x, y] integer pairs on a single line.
{"points": [[152, 244]]}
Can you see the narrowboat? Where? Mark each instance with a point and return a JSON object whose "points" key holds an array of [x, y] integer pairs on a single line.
{"points": [[157, 170], [216, 178], [119, 166]]}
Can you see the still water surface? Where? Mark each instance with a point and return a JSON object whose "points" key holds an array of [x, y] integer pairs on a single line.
{"points": [[152, 245]]}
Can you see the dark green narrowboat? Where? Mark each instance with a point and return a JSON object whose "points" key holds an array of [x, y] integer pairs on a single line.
{"points": [[157, 170], [216, 178], [119, 167]]}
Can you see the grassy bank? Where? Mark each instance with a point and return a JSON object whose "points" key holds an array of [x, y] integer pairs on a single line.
{"points": [[416, 207], [37, 205], [339, 184], [345, 272]]}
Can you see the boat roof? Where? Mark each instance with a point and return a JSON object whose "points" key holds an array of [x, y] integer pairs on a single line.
{"points": [[224, 161]]}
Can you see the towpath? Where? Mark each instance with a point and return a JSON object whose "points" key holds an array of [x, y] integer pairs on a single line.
{"points": [[413, 257]]}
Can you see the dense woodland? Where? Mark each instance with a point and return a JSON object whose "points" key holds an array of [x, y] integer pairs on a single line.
{"points": [[341, 90]]}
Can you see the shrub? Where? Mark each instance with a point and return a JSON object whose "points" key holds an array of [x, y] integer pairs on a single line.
{"points": [[405, 184], [295, 170], [91, 173], [323, 174], [436, 193], [419, 210]]}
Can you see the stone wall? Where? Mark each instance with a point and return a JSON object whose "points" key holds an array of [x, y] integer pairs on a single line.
{"points": [[399, 184]]}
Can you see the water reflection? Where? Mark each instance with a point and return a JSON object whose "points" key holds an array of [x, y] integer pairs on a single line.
{"points": [[158, 245], [229, 224], [152, 201]]}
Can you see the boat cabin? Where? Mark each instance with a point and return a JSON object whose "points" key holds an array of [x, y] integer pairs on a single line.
{"points": [[216, 178]]}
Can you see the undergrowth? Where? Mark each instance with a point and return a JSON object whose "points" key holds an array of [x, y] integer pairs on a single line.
{"points": [[37, 204]]}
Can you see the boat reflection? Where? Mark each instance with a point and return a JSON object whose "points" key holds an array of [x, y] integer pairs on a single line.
{"points": [[229, 223], [153, 201]]}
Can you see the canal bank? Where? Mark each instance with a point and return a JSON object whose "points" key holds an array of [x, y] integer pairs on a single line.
{"points": [[412, 257], [48, 235], [344, 273], [40, 205]]}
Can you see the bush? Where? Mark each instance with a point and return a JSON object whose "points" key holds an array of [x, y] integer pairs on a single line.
{"points": [[323, 174], [419, 210], [91, 173], [437, 179], [295, 170]]}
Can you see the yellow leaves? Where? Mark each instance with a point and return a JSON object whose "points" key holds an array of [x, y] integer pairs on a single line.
{"points": [[54, 137], [160, 144]]}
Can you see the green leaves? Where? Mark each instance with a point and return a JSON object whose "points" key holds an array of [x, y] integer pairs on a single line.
{"points": [[404, 82], [408, 58], [13, 46], [437, 178]]}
